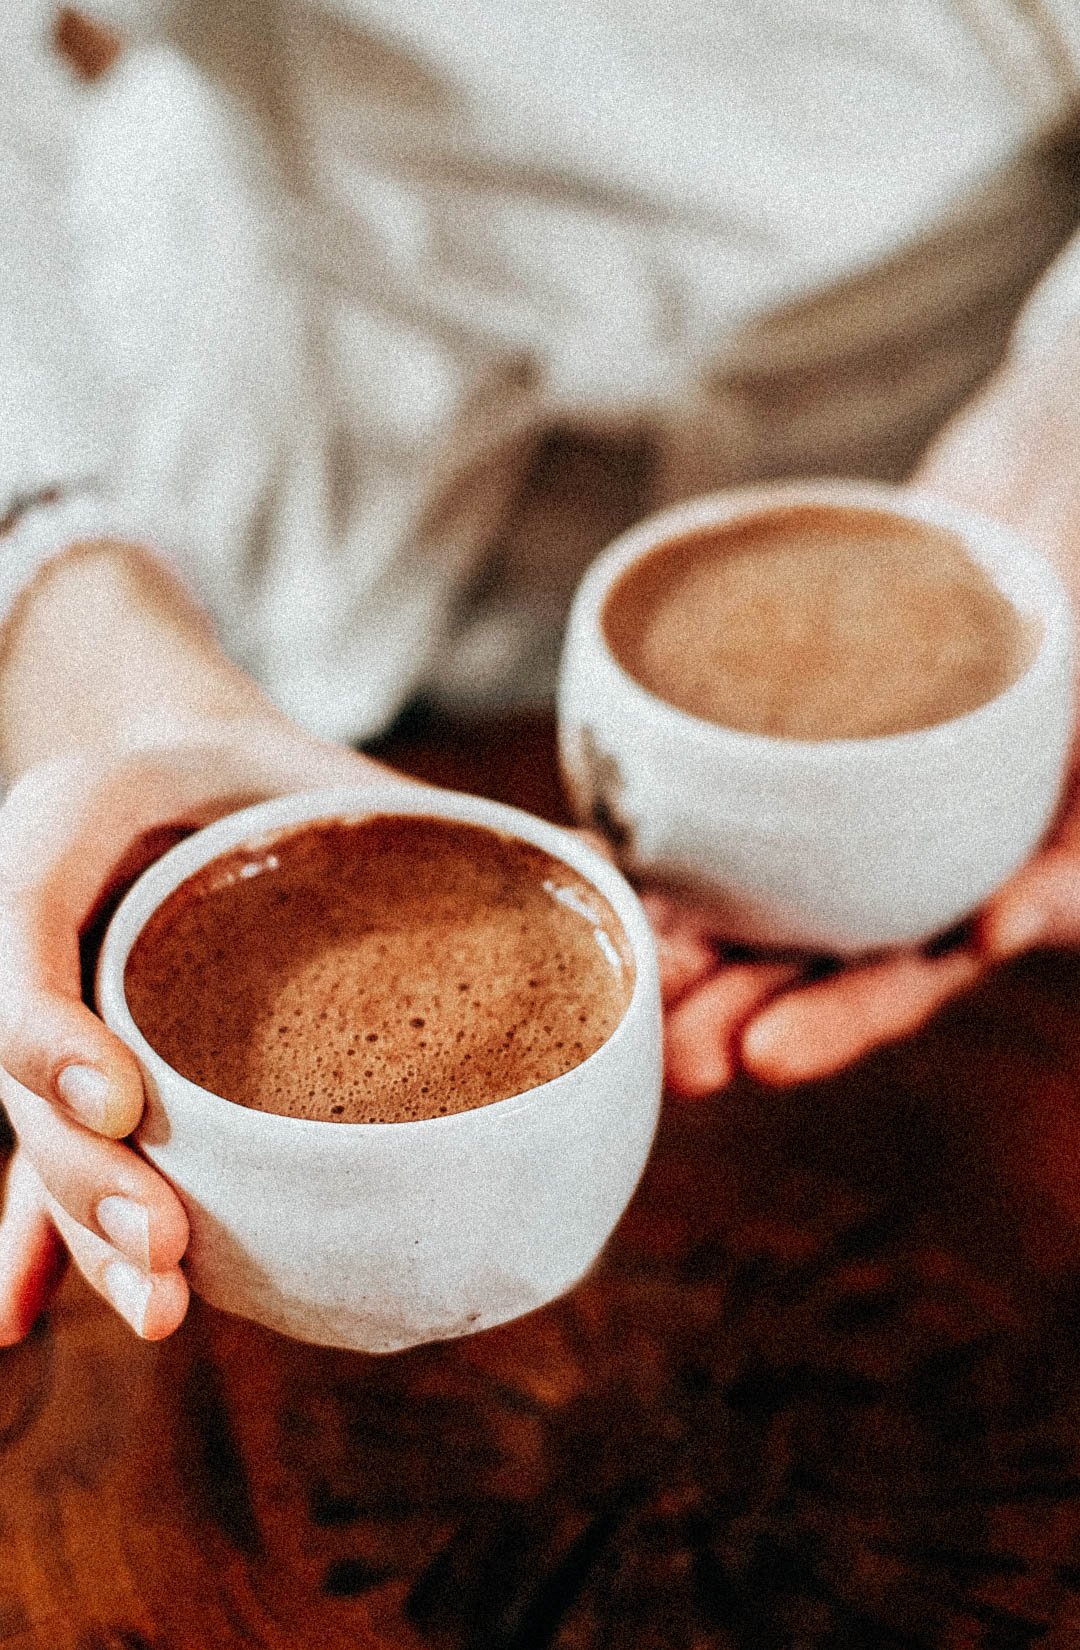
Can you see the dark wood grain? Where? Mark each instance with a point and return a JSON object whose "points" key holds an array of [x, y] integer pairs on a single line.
{"points": [[821, 1394]]}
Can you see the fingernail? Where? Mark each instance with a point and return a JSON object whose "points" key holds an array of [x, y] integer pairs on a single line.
{"points": [[1017, 931], [129, 1291], [127, 1224], [86, 1091]]}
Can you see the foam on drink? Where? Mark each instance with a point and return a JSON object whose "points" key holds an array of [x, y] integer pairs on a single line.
{"points": [[384, 970]]}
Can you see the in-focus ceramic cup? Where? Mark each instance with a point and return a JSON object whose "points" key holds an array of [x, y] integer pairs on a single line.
{"points": [[843, 845], [380, 1236]]}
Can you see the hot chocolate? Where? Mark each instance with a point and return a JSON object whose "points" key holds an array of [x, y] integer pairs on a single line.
{"points": [[385, 970], [813, 622]]}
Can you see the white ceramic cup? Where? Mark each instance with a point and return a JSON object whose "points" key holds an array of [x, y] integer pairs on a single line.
{"points": [[378, 1236], [843, 845]]}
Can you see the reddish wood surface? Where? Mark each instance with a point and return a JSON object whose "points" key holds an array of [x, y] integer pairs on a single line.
{"points": [[817, 1396]]}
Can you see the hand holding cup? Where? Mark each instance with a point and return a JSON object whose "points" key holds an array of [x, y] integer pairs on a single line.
{"points": [[463, 1202], [838, 838]]}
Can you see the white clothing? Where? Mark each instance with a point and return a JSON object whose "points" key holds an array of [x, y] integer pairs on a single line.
{"points": [[299, 285]]}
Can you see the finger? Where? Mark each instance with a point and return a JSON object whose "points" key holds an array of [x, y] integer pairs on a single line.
{"points": [[701, 1033], [683, 947], [60, 830], [50, 1041], [101, 1185], [153, 1303], [52, 835], [686, 960], [30, 1256], [822, 1028], [1039, 907], [57, 837], [661, 910]]}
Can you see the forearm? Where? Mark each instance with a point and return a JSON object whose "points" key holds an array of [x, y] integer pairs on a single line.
{"points": [[105, 650]]}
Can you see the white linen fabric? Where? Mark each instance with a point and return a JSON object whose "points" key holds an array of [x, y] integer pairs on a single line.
{"points": [[299, 287]]}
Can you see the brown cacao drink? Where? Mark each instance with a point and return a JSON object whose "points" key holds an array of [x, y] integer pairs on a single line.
{"points": [[379, 971], [816, 623]]}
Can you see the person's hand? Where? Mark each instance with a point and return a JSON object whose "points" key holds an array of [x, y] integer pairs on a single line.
{"points": [[1014, 455], [787, 1021], [73, 830]]}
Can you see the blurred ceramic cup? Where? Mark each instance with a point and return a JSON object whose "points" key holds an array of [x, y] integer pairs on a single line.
{"points": [[835, 844], [379, 1236]]}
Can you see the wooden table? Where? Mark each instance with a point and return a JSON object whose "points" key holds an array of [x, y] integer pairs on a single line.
{"points": [[817, 1396]]}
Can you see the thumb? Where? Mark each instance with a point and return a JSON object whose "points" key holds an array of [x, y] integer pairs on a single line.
{"points": [[50, 1042]]}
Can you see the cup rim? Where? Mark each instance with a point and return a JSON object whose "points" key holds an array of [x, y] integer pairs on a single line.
{"points": [[985, 539], [366, 799]]}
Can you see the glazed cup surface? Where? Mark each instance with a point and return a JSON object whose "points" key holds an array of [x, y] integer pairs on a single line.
{"points": [[379, 1236], [845, 845]]}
